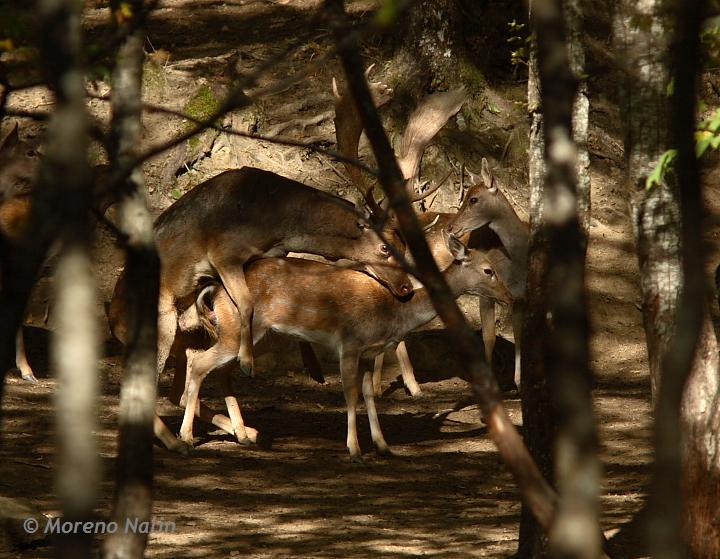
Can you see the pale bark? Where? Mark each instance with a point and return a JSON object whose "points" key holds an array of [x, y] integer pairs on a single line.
{"points": [[575, 531], [65, 178]]}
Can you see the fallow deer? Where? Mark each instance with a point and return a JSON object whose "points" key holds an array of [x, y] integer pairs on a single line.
{"points": [[485, 204], [340, 308], [18, 164], [434, 226]]}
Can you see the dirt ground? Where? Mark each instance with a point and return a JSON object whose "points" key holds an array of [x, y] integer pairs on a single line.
{"points": [[446, 493]]}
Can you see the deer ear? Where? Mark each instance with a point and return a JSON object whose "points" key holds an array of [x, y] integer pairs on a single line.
{"points": [[456, 247], [431, 224], [487, 176]]}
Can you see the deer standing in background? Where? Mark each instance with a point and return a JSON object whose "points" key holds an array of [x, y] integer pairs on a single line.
{"points": [[336, 307], [19, 162], [484, 204], [434, 226], [18, 165]]}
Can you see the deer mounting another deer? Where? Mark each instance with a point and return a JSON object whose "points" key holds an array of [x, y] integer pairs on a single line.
{"points": [[485, 204], [336, 307], [241, 215]]}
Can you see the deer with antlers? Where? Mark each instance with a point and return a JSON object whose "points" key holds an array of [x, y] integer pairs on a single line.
{"points": [[333, 306], [214, 230]]}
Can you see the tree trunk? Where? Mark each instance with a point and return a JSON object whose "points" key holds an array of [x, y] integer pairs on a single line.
{"points": [[666, 220], [134, 478], [537, 411], [65, 175], [432, 43], [557, 361]]}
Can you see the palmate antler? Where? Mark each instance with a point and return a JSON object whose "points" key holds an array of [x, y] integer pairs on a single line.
{"points": [[424, 123], [349, 127]]}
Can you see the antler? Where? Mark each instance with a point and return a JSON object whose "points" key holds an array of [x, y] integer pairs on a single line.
{"points": [[424, 123], [349, 127]]}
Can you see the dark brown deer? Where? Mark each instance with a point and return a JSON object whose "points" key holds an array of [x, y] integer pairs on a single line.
{"points": [[485, 204], [336, 307], [19, 163]]}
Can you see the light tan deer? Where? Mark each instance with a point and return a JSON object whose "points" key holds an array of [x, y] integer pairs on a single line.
{"points": [[485, 204], [339, 308], [239, 216]]}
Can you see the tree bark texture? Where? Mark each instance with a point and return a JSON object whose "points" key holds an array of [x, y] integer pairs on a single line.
{"points": [[537, 411], [666, 217], [535, 490], [65, 178], [433, 41], [576, 531], [642, 45], [138, 395]]}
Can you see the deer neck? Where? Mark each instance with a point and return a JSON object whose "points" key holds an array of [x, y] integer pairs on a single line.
{"points": [[419, 309], [514, 235], [325, 227]]}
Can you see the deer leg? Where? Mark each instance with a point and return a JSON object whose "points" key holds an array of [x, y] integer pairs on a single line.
{"points": [[351, 388], [167, 326], [214, 358], [243, 433], [311, 362], [21, 361], [233, 279], [377, 374], [518, 316], [487, 319], [406, 369], [375, 432]]}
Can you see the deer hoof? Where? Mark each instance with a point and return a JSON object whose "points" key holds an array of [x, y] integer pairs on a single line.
{"points": [[30, 377], [415, 392], [182, 446], [248, 436], [357, 459], [385, 451], [247, 369]]}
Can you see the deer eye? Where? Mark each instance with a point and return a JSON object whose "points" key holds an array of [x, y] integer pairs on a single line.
{"points": [[385, 249], [488, 272], [473, 200]]}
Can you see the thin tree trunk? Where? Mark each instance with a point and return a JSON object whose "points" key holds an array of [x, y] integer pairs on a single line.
{"points": [[575, 532], [537, 411], [65, 175], [134, 477], [535, 490], [666, 498]]}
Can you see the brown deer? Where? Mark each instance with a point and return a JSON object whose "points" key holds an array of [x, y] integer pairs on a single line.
{"points": [[18, 165], [434, 226], [336, 307], [485, 204]]}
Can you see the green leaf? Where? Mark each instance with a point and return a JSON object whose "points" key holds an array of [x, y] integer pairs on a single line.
{"points": [[670, 88], [176, 193], [663, 164]]}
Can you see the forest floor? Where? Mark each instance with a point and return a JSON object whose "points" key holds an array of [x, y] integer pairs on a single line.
{"points": [[296, 494]]}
